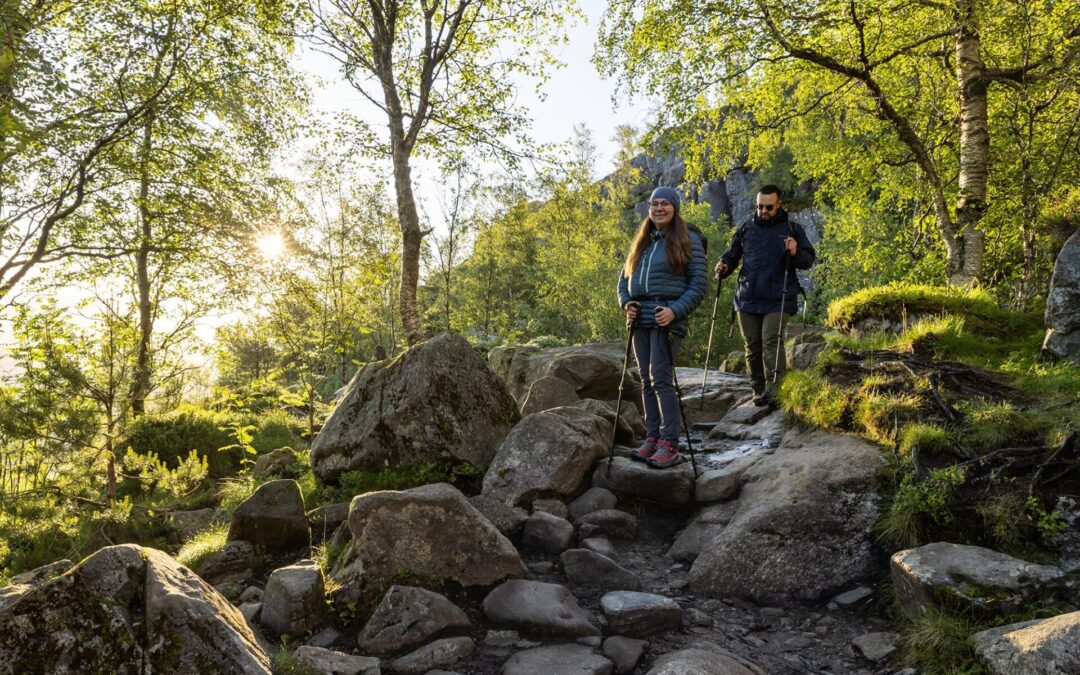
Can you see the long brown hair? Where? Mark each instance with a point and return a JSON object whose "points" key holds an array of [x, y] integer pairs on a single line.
{"points": [[676, 248]]}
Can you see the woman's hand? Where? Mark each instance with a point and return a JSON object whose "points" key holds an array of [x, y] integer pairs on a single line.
{"points": [[631, 310], [664, 315]]}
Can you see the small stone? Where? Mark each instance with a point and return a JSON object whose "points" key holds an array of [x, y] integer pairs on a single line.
{"points": [[501, 638], [295, 600], [232, 563], [696, 617], [250, 610], [624, 652], [876, 646], [601, 545], [252, 594], [330, 662], [440, 653], [324, 638], [716, 486], [594, 499], [408, 617], [564, 658], [547, 533], [636, 614], [855, 595], [509, 520], [541, 567], [611, 522], [538, 607], [273, 517], [591, 640], [553, 506], [591, 570]]}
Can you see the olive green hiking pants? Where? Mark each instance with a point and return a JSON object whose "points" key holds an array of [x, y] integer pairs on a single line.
{"points": [[761, 335]]}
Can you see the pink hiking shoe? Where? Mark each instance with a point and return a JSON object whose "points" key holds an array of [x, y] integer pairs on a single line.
{"points": [[667, 454], [646, 451]]}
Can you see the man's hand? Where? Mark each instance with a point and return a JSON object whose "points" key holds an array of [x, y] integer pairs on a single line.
{"points": [[791, 245], [664, 315], [721, 269]]}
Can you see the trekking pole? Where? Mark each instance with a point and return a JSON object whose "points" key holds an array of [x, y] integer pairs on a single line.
{"points": [[622, 378], [780, 337], [682, 410], [708, 351]]}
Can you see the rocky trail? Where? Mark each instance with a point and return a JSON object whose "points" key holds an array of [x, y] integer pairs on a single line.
{"points": [[565, 563]]}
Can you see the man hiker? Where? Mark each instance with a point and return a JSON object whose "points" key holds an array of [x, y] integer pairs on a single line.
{"points": [[771, 248]]}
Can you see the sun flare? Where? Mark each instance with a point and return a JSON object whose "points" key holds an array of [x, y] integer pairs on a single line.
{"points": [[271, 246]]}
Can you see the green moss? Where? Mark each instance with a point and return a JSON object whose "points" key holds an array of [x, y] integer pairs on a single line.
{"points": [[898, 300], [462, 475]]}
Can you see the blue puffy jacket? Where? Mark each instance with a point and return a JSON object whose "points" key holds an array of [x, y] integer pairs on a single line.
{"points": [[760, 246], [655, 284]]}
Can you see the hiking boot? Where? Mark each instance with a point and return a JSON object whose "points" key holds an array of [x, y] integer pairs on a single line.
{"points": [[666, 455], [647, 450]]}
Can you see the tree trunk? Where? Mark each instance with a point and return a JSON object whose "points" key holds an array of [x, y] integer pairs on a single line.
{"points": [[411, 239], [140, 384], [965, 268]]}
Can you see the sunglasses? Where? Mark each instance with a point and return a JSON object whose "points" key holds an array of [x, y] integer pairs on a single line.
{"points": [[765, 207]]}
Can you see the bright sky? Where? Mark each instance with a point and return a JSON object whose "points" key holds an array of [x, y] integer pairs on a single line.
{"points": [[575, 94]]}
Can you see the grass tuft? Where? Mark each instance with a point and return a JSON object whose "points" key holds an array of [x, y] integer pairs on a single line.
{"points": [[940, 643], [196, 550]]}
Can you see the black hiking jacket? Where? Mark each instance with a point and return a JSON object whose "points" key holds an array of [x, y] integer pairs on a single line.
{"points": [[759, 244]]}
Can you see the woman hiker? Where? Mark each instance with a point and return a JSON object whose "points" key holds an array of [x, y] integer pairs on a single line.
{"points": [[663, 280]]}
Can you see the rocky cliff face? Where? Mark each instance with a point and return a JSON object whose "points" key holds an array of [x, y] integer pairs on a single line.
{"points": [[730, 195]]}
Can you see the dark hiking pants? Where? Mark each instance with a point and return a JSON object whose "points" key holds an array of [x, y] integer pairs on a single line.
{"points": [[655, 357], [761, 335]]}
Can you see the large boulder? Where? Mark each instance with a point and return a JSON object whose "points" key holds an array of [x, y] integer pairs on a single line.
{"points": [[1032, 647], [126, 609], [593, 370], [986, 582], [431, 532], [1063, 304], [547, 453], [408, 617], [804, 525], [439, 400], [273, 517]]}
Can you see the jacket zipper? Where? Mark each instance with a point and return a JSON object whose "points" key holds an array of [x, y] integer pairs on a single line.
{"points": [[652, 252]]}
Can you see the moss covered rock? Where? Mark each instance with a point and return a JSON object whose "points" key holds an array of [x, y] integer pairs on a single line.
{"points": [[437, 401], [126, 609]]}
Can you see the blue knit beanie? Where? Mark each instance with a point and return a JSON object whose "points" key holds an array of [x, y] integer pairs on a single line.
{"points": [[668, 193]]}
